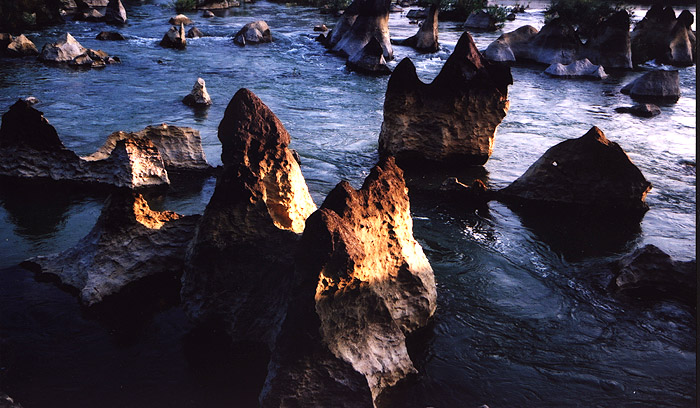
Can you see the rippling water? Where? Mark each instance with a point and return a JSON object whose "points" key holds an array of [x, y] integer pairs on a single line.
{"points": [[524, 318]]}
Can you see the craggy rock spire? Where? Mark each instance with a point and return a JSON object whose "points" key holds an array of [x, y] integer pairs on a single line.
{"points": [[451, 120], [426, 39], [662, 36], [609, 44]]}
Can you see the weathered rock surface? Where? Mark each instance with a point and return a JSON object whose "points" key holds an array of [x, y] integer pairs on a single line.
{"points": [[21, 46], [180, 19], [198, 96], [217, 4], [90, 15], [115, 13], [451, 120], [644, 110], [369, 60], [609, 43], [371, 20], [371, 285], [480, 20], [175, 38], [128, 243], [577, 69], [240, 265], [655, 85], [110, 36], [590, 173], [665, 38], [253, 33], [342, 27], [556, 42], [650, 273], [65, 49], [511, 46], [426, 39], [194, 32]]}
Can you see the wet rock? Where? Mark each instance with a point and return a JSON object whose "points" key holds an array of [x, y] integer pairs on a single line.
{"points": [[426, 39], [453, 120], [180, 19], [240, 265], [199, 95], [363, 283], [65, 49], [661, 86], [128, 243], [511, 46], [590, 173], [480, 20], [644, 110], [342, 27], [609, 43], [253, 33], [417, 14], [665, 38], [581, 68], [175, 38], [208, 14], [110, 36], [556, 42], [459, 192], [194, 32], [31, 100], [217, 4], [370, 60], [90, 15], [115, 12], [650, 273], [21, 46], [371, 21], [321, 28]]}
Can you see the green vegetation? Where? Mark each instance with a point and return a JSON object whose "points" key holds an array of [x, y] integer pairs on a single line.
{"points": [[184, 5], [459, 10], [582, 14], [499, 13]]}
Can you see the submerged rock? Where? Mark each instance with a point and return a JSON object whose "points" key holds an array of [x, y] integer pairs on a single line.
{"points": [[194, 32], [609, 44], [240, 265], [659, 85], [363, 283], [110, 36], [208, 14], [590, 173], [665, 38], [253, 33], [577, 69], [175, 38], [370, 60], [452, 120], [480, 20], [371, 20], [644, 110], [128, 243], [21, 46], [511, 46], [115, 12], [198, 96], [426, 39]]}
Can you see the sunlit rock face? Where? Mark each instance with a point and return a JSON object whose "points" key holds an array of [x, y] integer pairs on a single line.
{"points": [[21, 47], [590, 173], [240, 264], [128, 243], [175, 38], [665, 38], [372, 285], [426, 39], [253, 33], [609, 44], [371, 21], [451, 120], [65, 49]]}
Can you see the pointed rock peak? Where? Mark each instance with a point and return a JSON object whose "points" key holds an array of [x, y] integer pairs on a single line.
{"points": [[619, 19], [23, 125], [374, 48], [466, 49], [686, 19], [596, 135], [668, 14], [404, 76], [67, 38]]}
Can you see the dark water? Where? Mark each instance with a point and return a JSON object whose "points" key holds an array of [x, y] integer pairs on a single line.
{"points": [[524, 318]]}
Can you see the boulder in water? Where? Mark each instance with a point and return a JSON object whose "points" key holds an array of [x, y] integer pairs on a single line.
{"points": [[609, 44], [194, 32], [175, 38], [65, 49], [556, 42], [110, 36], [90, 15], [577, 69], [369, 60], [665, 38], [21, 46], [371, 20], [644, 110], [208, 14], [480, 20], [115, 13], [199, 95], [253, 33], [657, 85], [180, 19], [426, 39], [511, 46]]}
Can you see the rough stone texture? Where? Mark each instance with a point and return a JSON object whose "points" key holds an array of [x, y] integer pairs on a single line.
{"points": [[240, 265], [609, 44], [581, 68], [253, 33], [343, 25], [480, 20], [180, 19], [90, 15], [128, 243], [110, 36], [199, 95], [655, 85], [371, 283], [650, 273], [451, 120], [590, 173], [194, 32], [175, 38], [644, 110], [426, 39], [115, 13], [217, 4], [21, 46], [65, 49], [511, 46], [662, 36], [371, 21], [369, 60], [556, 42]]}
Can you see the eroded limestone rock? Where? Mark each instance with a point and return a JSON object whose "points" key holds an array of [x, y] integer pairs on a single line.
{"points": [[665, 38], [556, 42], [511, 46], [65, 49], [199, 95], [480, 20], [371, 20], [451, 120], [426, 39], [253, 33], [370, 60], [180, 19]]}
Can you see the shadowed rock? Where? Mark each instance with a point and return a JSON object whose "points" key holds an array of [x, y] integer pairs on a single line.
{"points": [[644, 110], [21, 46], [240, 265], [659, 85], [590, 173], [194, 32], [665, 38], [110, 36], [128, 243], [452, 120], [556, 42], [180, 19], [362, 284], [511, 46], [371, 21], [343, 25], [198, 96], [426, 39], [577, 69], [609, 44], [253, 33], [480, 20], [175, 38], [369, 60], [115, 12], [90, 15]]}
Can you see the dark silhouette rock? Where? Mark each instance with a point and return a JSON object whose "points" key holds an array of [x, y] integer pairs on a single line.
{"points": [[110, 36], [342, 27], [25, 126], [556, 42], [175, 38], [180, 19], [426, 39], [115, 13], [22, 15], [644, 110], [7, 402], [198, 96], [480, 20], [577, 69], [208, 14], [665, 38], [322, 28], [194, 32], [371, 21], [5, 40], [458, 192], [590, 173], [453, 120], [511, 46], [240, 265], [21, 46], [659, 85], [369, 60], [609, 43], [253, 33]]}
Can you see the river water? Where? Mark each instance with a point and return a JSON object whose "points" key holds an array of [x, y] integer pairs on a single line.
{"points": [[524, 318]]}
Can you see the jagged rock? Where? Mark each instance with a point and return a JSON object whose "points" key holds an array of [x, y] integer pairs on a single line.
{"points": [[426, 39], [556, 42], [371, 285], [655, 85], [110, 36], [609, 43], [217, 4], [240, 265], [90, 15], [194, 32], [665, 38], [180, 19], [644, 110], [577, 69], [208, 14], [453, 120], [65, 49], [590, 173], [175, 38], [24, 126], [21, 46], [128, 243], [650, 273], [511, 46], [115, 13], [371, 21], [480, 20], [253, 33], [369, 60], [85, 61], [199, 95]]}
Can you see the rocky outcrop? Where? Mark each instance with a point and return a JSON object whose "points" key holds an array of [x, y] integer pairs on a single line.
{"points": [[426, 39], [175, 38], [577, 69], [194, 32], [180, 19], [644, 110], [90, 15], [110, 36], [370, 19], [22, 15], [363, 283], [115, 13], [199, 96], [452, 120], [661, 86], [590, 173], [129, 242], [511, 46], [650, 273], [369, 60], [253, 33], [609, 43], [21, 46], [665, 38], [67, 50], [217, 4], [240, 265], [480, 20]]}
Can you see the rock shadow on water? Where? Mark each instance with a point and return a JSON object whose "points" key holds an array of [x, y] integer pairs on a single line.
{"points": [[451, 189]]}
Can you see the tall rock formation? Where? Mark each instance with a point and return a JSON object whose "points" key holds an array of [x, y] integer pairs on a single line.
{"points": [[426, 39], [115, 12], [609, 44], [665, 38]]}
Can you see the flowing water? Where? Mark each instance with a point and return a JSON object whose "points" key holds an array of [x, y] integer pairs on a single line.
{"points": [[524, 317]]}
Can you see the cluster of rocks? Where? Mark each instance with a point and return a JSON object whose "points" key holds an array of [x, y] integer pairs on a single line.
{"points": [[176, 37], [662, 36], [426, 39], [67, 50], [115, 13]]}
